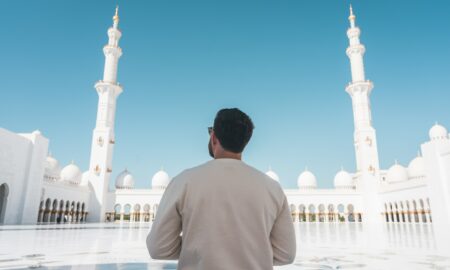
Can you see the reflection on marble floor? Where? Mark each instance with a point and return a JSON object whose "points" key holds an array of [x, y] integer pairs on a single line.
{"points": [[320, 246]]}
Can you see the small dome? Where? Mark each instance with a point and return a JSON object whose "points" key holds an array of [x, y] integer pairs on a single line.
{"points": [[397, 173], [273, 175], [160, 180], [52, 168], [306, 180], [438, 132], [125, 180], [416, 167], [71, 174], [343, 180]]}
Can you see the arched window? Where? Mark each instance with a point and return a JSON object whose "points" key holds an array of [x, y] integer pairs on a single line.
{"points": [[386, 212], [48, 205], [4, 192], [302, 213], [422, 211], [312, 213], [293, 212], [117, 209], [402, 211], [391, 212], [321, 213], [40, 213], [146, 212], [331, 213], [341, 212], [351, 213], [137, 212], [60, 216], [416, 213], [408, 211], [126, 212], [397, 215], [54, 210]]}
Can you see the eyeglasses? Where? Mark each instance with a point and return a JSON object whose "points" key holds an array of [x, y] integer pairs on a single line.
{"points": [[210, 130]]}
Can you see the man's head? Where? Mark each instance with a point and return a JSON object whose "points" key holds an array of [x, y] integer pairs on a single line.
{"points": [[230, 134]]}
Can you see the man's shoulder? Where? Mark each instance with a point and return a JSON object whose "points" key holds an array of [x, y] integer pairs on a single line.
{"points": [[188, 173]]}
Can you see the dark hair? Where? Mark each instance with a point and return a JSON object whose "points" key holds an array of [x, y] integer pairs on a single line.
{"points": [[233, 128]]}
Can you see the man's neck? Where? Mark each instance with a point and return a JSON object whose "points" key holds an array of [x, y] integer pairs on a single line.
{"points": [[230, 155]]}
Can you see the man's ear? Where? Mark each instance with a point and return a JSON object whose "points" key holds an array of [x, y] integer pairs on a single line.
{"points": [[214, 139]]}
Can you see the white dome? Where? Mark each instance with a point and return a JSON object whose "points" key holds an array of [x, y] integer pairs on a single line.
{"points": [[306, 180], [438, 132], [273, 175], [343, 180], [71, 173], [416, 167], [160, 180], [397, 173], [52, 168], [125, 180]]}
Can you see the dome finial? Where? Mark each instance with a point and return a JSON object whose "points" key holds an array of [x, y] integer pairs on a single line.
{"points": [[116, 17]]}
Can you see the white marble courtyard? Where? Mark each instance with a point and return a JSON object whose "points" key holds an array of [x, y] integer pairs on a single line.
{"points": [[320, 246]]}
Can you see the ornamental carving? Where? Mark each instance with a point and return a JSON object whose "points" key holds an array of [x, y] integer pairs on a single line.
{"points": [[97, 169], [369, 141], [100, 141]]}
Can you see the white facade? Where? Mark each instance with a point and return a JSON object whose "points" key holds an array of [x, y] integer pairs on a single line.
{"points": [[370, 194], [22, 164]]}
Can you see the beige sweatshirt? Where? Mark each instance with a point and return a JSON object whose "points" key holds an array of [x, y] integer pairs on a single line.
{"points": [[223, 214]]}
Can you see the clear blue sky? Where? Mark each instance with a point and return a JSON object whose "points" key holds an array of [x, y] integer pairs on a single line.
{"points": [[282, 62]]}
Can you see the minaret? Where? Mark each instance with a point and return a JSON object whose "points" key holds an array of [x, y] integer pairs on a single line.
{"points": [[359, 90], [367, 163], [103, 138]]}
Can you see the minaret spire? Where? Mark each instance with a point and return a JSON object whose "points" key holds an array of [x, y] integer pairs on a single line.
{"points": [[103, 138], [352, 17], [116, 18]]}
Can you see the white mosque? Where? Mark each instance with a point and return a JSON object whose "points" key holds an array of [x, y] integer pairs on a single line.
{"points": [[34, 188]]}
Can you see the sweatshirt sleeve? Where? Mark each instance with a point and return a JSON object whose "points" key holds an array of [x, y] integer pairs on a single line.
{"points": [[164, 240], [282, 237]]}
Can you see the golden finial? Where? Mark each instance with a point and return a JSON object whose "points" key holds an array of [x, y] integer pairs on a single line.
{"points": [[352, 16], [116, 16]]}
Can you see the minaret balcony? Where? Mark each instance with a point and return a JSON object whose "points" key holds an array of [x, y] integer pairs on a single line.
{"points": [[104, 86], [355, 49], [112, 50], [361, 86]]}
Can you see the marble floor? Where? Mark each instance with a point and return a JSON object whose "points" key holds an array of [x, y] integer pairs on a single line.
{"points": [[122, 246]]}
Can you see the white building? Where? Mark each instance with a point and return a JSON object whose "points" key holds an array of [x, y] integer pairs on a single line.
{"points": [[33, 187]]}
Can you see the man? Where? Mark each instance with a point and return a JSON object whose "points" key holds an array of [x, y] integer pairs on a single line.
{"points": [[224, 214]]}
